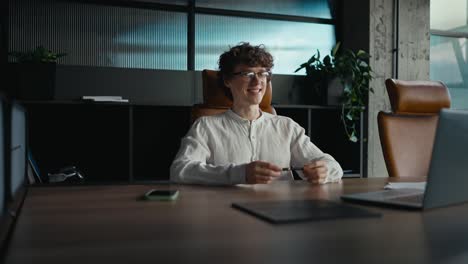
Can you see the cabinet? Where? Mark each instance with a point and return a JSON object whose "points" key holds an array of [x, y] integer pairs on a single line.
{"points": [[324, 127], [106, 141], [119, 142], [157, 131]]}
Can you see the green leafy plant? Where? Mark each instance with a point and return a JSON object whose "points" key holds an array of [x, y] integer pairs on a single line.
{"points": [[38, 55], [354, 73]]}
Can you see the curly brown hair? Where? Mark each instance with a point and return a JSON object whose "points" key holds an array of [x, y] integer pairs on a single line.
{"points": [[243, 53]]}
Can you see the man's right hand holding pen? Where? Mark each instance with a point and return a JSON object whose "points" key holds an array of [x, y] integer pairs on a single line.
{"points": [[315, 172]]}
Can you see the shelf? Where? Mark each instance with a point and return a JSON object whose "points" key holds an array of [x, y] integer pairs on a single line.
{"points": [[306, 106], [106, 141], [136, 142], [352, 175], [324, 127], [94, 138]]}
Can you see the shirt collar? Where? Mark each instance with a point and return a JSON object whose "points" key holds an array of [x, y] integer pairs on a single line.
{"points": [[240, 119]]}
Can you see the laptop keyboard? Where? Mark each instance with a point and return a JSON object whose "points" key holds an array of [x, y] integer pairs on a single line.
{"points": [[418, 198], [411, 197]]}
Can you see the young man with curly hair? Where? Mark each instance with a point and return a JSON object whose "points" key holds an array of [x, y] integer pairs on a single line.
{"points": [[244, 144]]}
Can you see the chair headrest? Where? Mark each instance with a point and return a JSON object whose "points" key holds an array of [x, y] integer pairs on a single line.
{"points": [[420, 97], [213, 90], [214, 94]]}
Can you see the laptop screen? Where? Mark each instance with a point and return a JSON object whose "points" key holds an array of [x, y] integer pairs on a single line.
{"points": [[447, 178], [17, 148], [2, 158]]}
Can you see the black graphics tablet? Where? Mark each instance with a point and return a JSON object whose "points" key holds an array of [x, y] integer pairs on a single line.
{"points": [[279, 212]]}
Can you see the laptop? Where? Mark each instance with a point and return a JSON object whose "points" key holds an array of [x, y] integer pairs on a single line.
{"points": [[447, 180]]}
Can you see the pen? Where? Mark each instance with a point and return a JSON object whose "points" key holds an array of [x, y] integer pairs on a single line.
{"points": [[293, 168]]}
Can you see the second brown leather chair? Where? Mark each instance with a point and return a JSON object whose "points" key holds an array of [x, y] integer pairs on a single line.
{"points": [[407, 134], [215, 100]]}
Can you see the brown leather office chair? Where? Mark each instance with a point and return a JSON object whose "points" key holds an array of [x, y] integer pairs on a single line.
{"points": [[407, 134], [215, 100]]}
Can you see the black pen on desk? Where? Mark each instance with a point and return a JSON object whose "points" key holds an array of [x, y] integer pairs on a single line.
{"points": [[293, 168]]}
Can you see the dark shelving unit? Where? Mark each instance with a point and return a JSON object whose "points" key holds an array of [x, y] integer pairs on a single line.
{"points": [[324, 127], [124, 142], [108, 142], [157, 131]]}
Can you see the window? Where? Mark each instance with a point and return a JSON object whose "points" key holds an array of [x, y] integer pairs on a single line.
{"points": [[449, 49], [306, 8], [174, 35], [97, 35], [285, 40]]}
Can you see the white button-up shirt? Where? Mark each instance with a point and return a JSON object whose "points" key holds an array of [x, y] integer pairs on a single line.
{"points": [[217, 149]]}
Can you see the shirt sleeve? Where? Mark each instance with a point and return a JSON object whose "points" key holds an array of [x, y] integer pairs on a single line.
{"points": [[303, 151], [190, 164]]}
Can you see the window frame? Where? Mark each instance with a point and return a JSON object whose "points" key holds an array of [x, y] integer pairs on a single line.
{"points": [[191, 9], [453, 35]]}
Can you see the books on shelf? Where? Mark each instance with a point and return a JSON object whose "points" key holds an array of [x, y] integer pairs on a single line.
{"points": [[105, 99]]}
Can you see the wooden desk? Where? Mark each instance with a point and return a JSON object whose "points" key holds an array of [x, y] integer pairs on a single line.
{"points": [[107, 224]]}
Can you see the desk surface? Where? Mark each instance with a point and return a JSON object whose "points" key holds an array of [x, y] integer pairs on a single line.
{"points": [[108, 224]]}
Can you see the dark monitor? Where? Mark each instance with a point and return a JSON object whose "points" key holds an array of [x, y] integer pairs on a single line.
{"points": [[17, 149], [5, 216], [12, 163], [2, 159]]}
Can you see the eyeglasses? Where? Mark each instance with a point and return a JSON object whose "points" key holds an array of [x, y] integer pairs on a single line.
{"points": [[250, 75]]}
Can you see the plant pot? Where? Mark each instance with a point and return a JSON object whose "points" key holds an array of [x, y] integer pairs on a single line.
{"points": [[36, 81], [316, 91], [335, 91], [310, 91]]}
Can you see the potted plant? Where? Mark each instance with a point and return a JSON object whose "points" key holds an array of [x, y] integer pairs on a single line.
{"points": [[35, 71], [345, 75]]}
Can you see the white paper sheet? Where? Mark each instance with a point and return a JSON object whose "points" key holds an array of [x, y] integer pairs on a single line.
{"points": [[405, 185]]}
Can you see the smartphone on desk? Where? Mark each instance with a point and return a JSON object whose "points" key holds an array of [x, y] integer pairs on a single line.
{"points": [[161, 195]]}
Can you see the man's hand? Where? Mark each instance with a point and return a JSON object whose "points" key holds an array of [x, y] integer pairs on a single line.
{"points": [[261, 172], [316, 171]]}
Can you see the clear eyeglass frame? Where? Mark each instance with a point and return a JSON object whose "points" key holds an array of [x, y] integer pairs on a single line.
{"points": [[250, 75]]}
